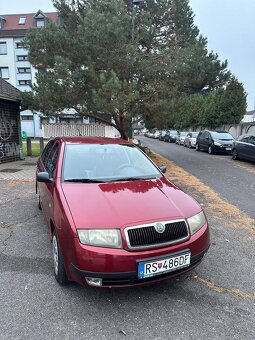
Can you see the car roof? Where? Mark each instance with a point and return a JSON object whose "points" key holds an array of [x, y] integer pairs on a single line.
{"points": [[92, 140], [218, 131]]}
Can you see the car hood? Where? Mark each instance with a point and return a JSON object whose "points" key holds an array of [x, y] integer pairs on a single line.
{"points": [[121, 204], [224, 141]]}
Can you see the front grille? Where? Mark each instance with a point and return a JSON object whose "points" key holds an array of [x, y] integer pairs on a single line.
{"points": [[147, 236]]}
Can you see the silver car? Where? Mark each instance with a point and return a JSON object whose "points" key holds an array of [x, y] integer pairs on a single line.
{"points": [[190, 139], [180, 138]]}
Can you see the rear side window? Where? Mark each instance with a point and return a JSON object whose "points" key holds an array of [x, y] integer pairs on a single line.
{"points": [[252, 140], [46, 152], [245, 139], [52, 160]]}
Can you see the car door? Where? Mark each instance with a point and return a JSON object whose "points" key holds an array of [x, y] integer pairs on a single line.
{"points": [[242, 146], [250, 148], [51, 167], [41, 167], [204, 140], [48, 188]]}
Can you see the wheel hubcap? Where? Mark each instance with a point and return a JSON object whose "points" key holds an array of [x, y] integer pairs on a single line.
{"points": [[55, 254]]}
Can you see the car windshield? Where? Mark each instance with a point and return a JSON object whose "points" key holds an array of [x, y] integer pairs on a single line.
{"points": [[174, 133], [182, 134], [221, 135], [105, 163], [194, 134]]}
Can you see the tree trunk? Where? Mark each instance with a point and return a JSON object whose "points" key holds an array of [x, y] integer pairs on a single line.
{"points": [[120, 125]]}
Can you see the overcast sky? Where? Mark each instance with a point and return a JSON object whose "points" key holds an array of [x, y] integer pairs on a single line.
{"points": [[229, 26]]}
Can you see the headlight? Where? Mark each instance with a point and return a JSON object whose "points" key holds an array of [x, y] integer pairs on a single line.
{"points": [[217, 144], [196, 222], [109, 238]]}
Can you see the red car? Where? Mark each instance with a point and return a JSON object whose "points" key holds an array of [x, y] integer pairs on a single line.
{"points": [[113, 217]]}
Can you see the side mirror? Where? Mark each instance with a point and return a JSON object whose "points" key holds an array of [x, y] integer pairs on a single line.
{"points": [[162, 168], [44, 177]]}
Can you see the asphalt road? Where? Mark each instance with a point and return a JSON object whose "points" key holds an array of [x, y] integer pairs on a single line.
{"points": [[216, 301], [233, 180]]}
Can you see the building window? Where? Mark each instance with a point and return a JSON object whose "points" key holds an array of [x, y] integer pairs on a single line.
{"points": [[24, 70], [22, 20], [22, 57], [40, 23], [26, 117], [4, 72], [24, 82], [3, 48], [19, 44]]}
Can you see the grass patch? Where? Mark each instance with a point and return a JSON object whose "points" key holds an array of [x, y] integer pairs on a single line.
{"points": [[35, 149]]}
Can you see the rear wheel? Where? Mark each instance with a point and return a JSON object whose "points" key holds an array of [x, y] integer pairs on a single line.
{"points": [[235, 155], [58, 261]]}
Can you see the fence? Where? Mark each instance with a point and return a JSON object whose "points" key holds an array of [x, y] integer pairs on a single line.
{"points": [[72, 130]]}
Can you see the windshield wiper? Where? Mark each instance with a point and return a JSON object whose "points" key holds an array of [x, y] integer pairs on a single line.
{"points": [[84, 180], [131, 179]]}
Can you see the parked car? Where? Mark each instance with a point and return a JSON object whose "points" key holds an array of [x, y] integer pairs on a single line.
{"points": [[113, 218], [162, 135], [181, 137], [244, 148], [214, 141], [170, 136], [190, 139], [155, 134]]}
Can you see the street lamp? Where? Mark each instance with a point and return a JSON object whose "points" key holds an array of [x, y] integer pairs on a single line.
{"points": [[134, 4]]}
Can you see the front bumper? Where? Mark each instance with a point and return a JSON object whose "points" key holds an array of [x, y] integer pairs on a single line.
{"points": [[119, 267], [222, 149], [126, 279]]}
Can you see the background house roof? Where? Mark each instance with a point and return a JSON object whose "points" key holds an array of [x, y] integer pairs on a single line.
{"points": [[12, 20], [8, 92], [250, 113]]}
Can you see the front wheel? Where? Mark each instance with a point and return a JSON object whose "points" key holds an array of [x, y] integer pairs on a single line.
{"points": [[235, 155], [197, 147], [58, 261], [210, 150]]}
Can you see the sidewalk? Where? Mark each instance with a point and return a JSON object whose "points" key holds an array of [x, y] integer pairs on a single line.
{"points": [[23, 170]]}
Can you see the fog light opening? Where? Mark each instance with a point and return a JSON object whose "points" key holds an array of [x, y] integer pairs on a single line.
{"points": [[94, 281]]}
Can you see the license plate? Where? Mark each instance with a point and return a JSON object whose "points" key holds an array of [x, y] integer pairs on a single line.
{"points": [[168, 264], [228, 149]]}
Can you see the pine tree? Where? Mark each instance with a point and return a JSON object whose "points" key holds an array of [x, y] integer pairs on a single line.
{"points": [[106, 65]]}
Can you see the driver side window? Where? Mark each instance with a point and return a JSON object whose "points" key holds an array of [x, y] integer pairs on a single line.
{"points": [[52, 161]]}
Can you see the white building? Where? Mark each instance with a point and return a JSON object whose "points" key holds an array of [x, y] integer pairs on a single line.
{"points": [[17, 70], [14, 64]]}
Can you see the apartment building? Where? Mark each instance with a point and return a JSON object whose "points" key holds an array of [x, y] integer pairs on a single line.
{"points": [[14, 65]]}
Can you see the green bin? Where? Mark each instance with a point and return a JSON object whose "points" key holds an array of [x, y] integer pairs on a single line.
{"points": [[24, 135]]}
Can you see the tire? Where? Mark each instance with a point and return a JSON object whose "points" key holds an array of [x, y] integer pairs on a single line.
{"points": [[210, 150], [58, 261], [235, 155], [197, 147]]}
